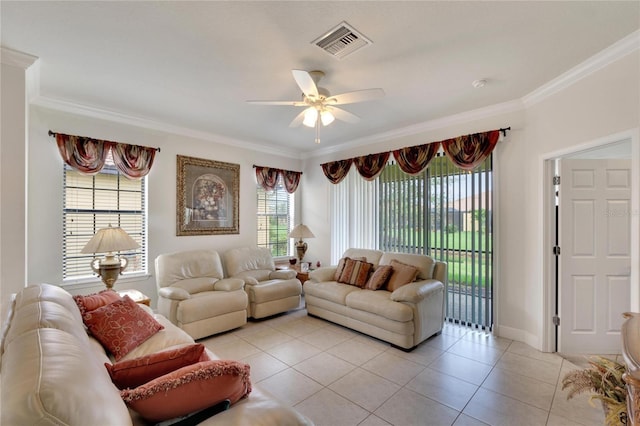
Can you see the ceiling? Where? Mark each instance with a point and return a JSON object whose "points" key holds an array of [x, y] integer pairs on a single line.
{"points": [[194, 64]]}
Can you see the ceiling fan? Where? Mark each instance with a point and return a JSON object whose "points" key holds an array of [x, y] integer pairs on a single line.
{"points": [[320, 105]]}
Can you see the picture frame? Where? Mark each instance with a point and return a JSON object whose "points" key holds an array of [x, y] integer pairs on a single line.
{"points": [[208, 194]]}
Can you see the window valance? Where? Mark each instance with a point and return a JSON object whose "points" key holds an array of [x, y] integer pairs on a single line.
{"points": [[88, 155], [267, 178], [466, 152]]}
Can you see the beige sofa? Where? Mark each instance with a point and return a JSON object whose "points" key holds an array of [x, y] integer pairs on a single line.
{"points": [[405, 317], [53, 372], [631, 355], [194, 295], [270, 291]]}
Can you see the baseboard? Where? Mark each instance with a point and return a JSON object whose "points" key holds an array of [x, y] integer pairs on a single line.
{"points": [[518, 335]]}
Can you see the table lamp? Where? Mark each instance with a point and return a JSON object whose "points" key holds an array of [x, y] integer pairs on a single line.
{"points": [[301, 231], [109, 240]]}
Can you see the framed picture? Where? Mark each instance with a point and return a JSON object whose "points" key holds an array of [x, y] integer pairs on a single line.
{"points": [[208, 197]]}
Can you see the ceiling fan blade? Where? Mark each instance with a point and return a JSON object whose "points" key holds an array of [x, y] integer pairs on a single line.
{"points": [[291, 103], [305, 82], [343, 115], [357, 96], [298, 120]]}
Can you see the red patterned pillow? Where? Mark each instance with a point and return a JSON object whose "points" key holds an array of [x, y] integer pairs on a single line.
{"points": [[189, 389], [135, 372], [121, 326], [355, 272], [94, 301], [379, 278], [402, 274]]}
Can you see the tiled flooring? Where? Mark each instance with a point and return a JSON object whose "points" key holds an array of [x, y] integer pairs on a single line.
{"points": [[338, 377]]}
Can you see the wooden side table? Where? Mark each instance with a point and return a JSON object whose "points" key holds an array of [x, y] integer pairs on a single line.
{"points": [[302, 276], [136, 296]]}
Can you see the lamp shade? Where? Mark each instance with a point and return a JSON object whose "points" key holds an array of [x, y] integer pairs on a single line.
{"points": [[301, 231], [108, 240]]}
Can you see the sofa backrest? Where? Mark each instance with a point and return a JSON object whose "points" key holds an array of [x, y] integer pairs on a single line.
{"points": [[52, 373], [248, 259], [372, 256], [197, 269], [424, 263]]}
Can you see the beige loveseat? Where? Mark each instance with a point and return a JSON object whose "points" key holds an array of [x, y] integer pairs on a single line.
{"points": [[53, 372], [404, 317], [270, 291], [194, 295]]}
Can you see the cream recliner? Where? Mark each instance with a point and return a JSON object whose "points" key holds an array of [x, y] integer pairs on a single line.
{"points": [[270, 292], [193, 294]]}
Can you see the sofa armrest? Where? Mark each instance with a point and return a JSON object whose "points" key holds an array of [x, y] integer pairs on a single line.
{"points": [[322, 274], [174, 293], [229, 284], [283, 274], [416, 291]]}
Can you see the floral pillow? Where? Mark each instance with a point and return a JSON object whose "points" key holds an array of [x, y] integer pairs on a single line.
{"points": [[94, 301], [135, 372], [121, 326], [189, 389]]}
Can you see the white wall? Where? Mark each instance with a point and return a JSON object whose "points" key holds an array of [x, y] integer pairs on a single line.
{"points": [[604, 103], [45, 191]]}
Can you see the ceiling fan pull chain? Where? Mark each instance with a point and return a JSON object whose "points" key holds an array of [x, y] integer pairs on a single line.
{"points": [[317, 129]]}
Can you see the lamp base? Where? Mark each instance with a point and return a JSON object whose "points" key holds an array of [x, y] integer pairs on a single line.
{"points": [[109, 270], [301, 249]]}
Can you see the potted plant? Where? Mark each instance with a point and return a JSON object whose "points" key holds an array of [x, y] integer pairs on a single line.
{"points": [[604, 379]]}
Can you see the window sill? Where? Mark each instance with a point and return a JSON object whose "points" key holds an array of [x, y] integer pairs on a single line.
{"points": [[89, 282]]}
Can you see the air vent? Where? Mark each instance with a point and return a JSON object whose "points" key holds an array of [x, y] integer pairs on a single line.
{"points": [[342, 41]]}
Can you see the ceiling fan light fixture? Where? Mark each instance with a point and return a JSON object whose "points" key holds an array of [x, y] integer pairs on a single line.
{"points": [[326, 117], [310, 117]]}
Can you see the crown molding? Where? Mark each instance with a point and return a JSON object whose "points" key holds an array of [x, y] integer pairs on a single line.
{"points": [[16, 58], [439, 123], [616, 51], [117, 117]]}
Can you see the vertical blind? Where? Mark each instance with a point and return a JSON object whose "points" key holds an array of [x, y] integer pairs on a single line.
{"points": [[274, 219], [444, 212], [92, 202]]}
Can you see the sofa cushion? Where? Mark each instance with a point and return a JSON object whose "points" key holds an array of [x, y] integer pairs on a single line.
{"points": [[211, 304], [270, 290], [189, 389], [135, 372], [248, 259], [121, 326], [184, 265], [196, 285], [402, 274], [425, 264], [355, 272], [379, 303], [49, 292], [371, 256], [94, 301], [329, 290], [256, 274], [379, 278]]}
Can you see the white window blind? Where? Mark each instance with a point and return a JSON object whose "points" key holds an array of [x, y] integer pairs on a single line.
{"points": [[94, 202], [274, 219]]}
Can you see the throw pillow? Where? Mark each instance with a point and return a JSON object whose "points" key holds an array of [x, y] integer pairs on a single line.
{"points": [[94, 301], [121, 326], [341, 264], [189, 389], [379, 277], [355, 272], [402, 274], [138, 371]]}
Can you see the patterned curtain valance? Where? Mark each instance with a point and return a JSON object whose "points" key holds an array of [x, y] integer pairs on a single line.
{"points": [[335, 171], [466, 152], [88, 155], [267, 178]]}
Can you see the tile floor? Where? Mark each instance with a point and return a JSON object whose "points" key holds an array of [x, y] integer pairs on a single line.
{"points": [[339, 377]]}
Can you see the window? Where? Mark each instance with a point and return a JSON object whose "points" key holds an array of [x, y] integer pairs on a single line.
{"points": [[94, 202], [444, 212], [275, 215]]}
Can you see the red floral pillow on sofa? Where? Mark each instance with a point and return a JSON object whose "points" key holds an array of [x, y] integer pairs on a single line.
{"points": [[121, 326], [94, 301], [135, 372], [189, 389]]}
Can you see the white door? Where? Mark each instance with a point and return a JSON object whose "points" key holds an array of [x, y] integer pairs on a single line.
{"points": [[595, 242]]}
